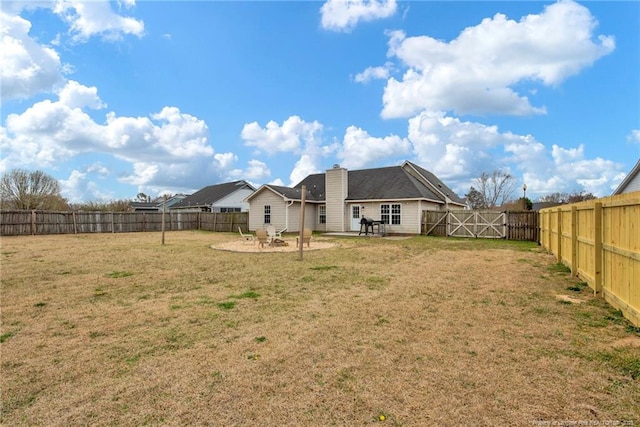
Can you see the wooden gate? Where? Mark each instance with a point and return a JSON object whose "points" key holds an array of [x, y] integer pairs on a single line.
{"points": [[486, 224], [482, 224]]}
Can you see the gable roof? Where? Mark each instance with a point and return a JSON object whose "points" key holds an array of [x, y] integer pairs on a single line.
{"points": [[386, 183], [628, 179], [211, 194], [439, 186]]}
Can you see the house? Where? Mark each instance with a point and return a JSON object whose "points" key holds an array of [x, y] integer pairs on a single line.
{"points": [[156, 204], [226, 197], [631, 182], [338, 199]]}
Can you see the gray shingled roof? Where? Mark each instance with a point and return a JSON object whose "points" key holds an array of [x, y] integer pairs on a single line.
{"points": [[387, 183], [211, 194]]}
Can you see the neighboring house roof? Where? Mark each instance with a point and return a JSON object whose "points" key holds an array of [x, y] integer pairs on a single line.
{"points": [[144, 206], [631, 182], [536, 206], [211, 194], [387, 183], [156, 204]]}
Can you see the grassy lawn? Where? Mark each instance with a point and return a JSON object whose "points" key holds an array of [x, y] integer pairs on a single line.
{"points": [[116, 329]]}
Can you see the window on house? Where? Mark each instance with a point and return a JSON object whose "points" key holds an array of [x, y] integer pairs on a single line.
{"points": [[395, 214], [384, 213], [267, 214], [322, 214], [391, 214]]}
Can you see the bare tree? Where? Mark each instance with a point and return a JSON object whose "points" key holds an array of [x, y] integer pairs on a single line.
{"points": [[563, 198], [21, 189], [493, 190]]}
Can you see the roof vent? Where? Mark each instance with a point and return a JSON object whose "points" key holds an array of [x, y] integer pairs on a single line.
{"points": [[336, 166]]}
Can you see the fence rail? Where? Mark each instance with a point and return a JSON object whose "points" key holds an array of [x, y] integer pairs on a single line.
{"points": [[600, 241], [511, 225], [16, 223]]}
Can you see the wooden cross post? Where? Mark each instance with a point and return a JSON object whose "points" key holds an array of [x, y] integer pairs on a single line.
{"points": [[302, 200]]}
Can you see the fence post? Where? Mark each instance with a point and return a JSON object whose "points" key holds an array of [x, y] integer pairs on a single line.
{"points": [[574, 241], [559, 234], [597, 222], [549, 231], [33, 223]]}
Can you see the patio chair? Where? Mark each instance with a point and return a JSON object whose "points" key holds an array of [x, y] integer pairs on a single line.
{"points": [[247, 238], [306, 237], [262, 237], [273, 233]]}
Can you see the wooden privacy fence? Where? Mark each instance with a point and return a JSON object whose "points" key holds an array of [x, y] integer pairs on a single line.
{"points": [[600, 241], [510, 225], [14, 223]]}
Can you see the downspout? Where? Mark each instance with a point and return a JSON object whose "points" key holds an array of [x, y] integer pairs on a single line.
{"points": [[286, 214]]}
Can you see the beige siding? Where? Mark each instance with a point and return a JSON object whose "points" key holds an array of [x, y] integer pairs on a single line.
{"points": [[256, 212], [336, 192], [310, 217], [410, 214]]}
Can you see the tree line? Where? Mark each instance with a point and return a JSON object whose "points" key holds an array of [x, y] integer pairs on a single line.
{"points": [[496, 189], [35, 190]]}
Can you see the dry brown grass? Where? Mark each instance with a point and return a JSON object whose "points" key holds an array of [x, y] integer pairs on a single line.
{"points": [[115, 329]]}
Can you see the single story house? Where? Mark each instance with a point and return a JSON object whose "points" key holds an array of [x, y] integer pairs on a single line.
{"points": [[226, 197], [631, 182], [156, 204], [336, 201]]}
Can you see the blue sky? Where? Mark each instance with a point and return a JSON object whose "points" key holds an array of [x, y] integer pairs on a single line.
{"points": [[114, 98]]}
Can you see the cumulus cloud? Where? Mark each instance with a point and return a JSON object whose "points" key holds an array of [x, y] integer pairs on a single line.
{"points": [[360, 149], [79, 187], [169, 148], [75, 95], [459, 151], [344, 15], [476, 72], [295, 136], [28, 68], [97, 18], [291, 136], [634, 136], [374, 73]]}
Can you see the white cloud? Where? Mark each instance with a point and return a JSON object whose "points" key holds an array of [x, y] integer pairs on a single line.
{"points": [[294, 136], [305, 166], [344, 15], [98, 169], [459, 151], [169, 149], [96, 18], [634, 136], [28, 67], [475, 73], [360, 149], [79, 187], [290, 137], [75, 95], [372, 73]]}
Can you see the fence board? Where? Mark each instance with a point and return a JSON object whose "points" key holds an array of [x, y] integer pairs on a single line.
{"points": [[16, 223], [482, 224], [601, 244]]}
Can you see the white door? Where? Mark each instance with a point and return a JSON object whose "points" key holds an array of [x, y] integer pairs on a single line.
{"points": [[355, 218]]}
